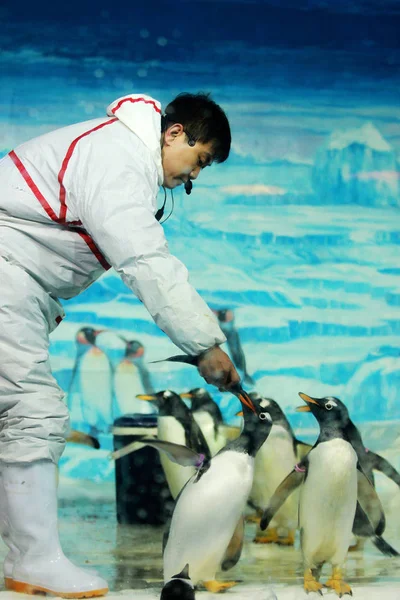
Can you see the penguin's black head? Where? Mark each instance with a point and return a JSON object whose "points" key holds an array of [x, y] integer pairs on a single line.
{"points": [[167, 402], [257, 424], [199, 397], [270, 406], [328, 410], [179, 587]]}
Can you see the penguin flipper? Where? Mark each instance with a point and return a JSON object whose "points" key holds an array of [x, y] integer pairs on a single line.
{"points": [[181, 455], [383, 465], [383, 546], [196, 440], [288, 485], [370, 503], [235, 547], [302, 449], [362, 526]]}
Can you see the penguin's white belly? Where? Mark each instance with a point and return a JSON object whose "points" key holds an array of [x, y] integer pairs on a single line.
{"points": [[206, 515], [206, 424], [274, 461], [170, 430], [328, 501]]}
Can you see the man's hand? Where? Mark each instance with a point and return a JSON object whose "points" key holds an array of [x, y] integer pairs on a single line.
{"points": [[217, 368]]}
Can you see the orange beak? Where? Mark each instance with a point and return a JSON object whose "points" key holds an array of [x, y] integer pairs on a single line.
{"points": [[147, 397], [187, 395], [307, 399], [246, 400]]}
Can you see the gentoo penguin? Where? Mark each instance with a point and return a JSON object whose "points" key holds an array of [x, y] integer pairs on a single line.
{"points": [[175, 423], [210, 507], [274, 461], [331, 480], [179, 587], [208, 416], [369, 461], [226, 318]]}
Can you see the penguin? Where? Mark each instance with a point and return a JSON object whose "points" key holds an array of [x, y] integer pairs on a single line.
{"points": [[206, 528], [176, 424], [90, 389], [207, 414], [179, 587], [226, 318], [331, 481], [369, 462], [273, 463]]}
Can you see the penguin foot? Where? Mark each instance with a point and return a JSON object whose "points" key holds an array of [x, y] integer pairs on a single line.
{"points": [[359, 545], [337, 584], [287, 541], [255, 518], [311, 584], [217, 587], [269, 537]]}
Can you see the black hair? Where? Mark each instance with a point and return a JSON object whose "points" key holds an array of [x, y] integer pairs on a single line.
{"points": [[203, 121]]}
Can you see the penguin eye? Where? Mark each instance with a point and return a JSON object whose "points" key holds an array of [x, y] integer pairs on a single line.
{"points": [[264, 416], [329, 405]]}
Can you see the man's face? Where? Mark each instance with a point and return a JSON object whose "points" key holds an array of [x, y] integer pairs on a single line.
{"points": [[180, 161]]}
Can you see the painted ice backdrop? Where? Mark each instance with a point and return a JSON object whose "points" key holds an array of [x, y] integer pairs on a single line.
{"points": [[298, 233]]}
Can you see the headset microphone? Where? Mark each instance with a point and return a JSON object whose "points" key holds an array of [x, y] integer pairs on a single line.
{"points": [[188, 187]]}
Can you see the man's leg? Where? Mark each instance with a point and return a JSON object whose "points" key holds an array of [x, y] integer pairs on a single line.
{"points": [[34, 423]]}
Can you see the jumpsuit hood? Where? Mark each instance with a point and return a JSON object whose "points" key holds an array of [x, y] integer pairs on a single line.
{"points": [[142, 115]]}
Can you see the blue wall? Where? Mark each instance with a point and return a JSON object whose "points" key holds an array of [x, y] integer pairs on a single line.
{"points": [[298, 233]]}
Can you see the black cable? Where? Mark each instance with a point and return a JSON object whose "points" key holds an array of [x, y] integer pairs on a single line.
{"points": [[172, 209]]}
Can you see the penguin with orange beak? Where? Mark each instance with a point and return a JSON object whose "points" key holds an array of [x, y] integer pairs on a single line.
{"points": [[207, 415], [332, 481], [206, 529], [175, 423]]}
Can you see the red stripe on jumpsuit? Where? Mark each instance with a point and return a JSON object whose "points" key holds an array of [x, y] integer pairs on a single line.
{"points": [[63, 193], [134, 100], [61, 219]]}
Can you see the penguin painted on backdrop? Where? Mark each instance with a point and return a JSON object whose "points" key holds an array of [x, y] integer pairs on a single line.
{"points": [[331, 481], [274, 461], [226, 318], [176, 424], [134, 353], [209, 510], [208, 416], [132, 378], [179, 587], [90, 389]]}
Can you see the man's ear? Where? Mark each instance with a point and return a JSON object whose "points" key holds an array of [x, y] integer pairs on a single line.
{"points": [[173, 132]]}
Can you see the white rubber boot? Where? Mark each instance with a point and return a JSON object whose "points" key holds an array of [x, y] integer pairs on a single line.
{"points": [[13, 553], [30, 531]]}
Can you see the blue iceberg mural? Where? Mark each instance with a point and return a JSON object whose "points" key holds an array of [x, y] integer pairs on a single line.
{"points": [[294, 242]]}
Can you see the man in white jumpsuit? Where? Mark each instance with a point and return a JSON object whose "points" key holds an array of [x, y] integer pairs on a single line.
{"points": [[74, 202]]}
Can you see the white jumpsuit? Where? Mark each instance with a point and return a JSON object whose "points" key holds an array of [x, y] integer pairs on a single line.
{"points": [[74, 202]]}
